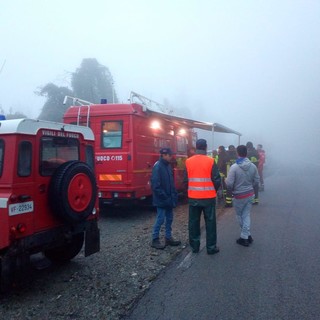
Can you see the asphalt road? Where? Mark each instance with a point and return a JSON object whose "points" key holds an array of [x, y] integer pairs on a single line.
{"points": [[277, 277]]}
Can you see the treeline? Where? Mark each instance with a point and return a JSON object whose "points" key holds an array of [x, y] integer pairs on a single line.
{"points": [[91, 82]]}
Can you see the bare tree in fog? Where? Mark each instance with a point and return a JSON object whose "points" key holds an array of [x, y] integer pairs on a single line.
{"points": [[93, 81], [53, 109], [15, 115], [12, 114]]}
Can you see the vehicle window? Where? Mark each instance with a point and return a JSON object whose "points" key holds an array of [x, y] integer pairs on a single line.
{"points": [[111, 135], [90, 156], [55, 151], [1, 156], [181, 144], [24, 159]]}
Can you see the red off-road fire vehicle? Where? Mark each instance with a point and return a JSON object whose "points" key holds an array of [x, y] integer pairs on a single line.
{"points": [[48, 193]]}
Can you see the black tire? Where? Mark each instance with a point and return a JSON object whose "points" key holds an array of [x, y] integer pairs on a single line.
{"points": [[67, 251], [73, 191], [7, 272]]}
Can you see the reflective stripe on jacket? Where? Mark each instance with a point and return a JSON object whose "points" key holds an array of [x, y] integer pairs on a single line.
{"points": [[253, 156], [200, 185]]}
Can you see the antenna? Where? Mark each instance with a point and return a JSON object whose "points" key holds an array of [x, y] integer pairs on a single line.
{"points": [[3, 65]]}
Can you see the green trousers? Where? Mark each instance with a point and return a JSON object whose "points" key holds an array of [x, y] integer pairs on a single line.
{"points": [[208, 207]]}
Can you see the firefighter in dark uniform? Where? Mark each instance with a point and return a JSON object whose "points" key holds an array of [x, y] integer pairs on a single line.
{"points": [[215, 155], [222, 166], [253, 156], [231, 157]]}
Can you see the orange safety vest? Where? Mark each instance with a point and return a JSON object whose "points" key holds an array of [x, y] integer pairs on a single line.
{"points": [[200, 185]]}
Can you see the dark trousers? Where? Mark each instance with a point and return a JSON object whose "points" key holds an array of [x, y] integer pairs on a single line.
{"points": [[260, 171], [208, 207], [256, 194], [228, 200]]}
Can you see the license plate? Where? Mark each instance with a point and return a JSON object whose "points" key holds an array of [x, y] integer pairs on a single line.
{"points": [[20, 208]]}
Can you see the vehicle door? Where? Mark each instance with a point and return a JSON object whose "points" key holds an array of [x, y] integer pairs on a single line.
{"points": [[112, 153], [22, 199]]}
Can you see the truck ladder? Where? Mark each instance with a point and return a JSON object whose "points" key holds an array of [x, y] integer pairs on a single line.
{"points": [[146, 102], [81, 103]]}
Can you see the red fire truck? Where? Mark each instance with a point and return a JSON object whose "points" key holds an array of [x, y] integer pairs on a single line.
{"points": [[48, 193], [128, 139]]}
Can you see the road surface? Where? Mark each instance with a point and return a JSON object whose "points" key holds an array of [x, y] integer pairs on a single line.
{"points": [[277, 277]]}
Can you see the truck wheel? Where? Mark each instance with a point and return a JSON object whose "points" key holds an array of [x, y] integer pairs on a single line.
{"points": [[67, 251], [7, 271], [73, 191]]}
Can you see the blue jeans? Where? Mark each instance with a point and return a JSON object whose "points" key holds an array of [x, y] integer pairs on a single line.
{"points": [[163, 214], [243, 209]]}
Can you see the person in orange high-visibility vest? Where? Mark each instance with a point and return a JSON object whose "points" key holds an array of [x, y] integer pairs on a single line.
{"points": [[203, 179]]}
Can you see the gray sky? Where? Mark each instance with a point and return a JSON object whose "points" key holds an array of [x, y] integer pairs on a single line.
{"points": [[252, 65]]}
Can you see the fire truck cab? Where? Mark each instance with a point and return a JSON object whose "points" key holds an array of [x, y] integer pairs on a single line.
{"points": [[128, 139], [48, 193]]}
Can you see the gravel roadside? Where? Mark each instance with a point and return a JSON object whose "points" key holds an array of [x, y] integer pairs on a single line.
{"points": [[104, 285]]}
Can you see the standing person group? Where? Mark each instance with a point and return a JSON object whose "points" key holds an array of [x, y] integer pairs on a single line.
{"points": [[243, 177], [202, 179]]}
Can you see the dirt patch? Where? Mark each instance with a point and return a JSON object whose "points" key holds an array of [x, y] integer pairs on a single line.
{"points": [[104, 285]]}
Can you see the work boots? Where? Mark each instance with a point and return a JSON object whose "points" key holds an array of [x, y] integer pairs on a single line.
{"points": [[169, 242], [213, 251], [172, 242], [157, 244], [243, 242]]}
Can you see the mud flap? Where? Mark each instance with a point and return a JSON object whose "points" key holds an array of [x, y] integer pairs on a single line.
{"points": [[92, 239]]}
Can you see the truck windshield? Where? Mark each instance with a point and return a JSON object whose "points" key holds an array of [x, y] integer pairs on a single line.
{"points": [[111, 135]]}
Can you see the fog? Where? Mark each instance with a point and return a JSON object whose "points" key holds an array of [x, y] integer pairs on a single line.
{"points": [[251, 65]]}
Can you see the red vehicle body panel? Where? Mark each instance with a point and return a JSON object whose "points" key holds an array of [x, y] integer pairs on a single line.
{"points": [[24, 199], [123, 171]]}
